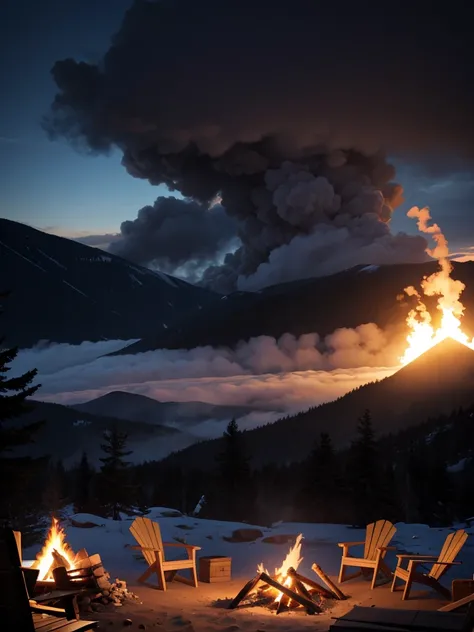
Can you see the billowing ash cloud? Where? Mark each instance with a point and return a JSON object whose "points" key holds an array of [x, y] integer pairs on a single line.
{"points": [[284, 113], [176, 233]]}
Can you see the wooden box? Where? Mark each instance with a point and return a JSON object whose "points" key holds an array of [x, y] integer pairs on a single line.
{"points": [[215, 569], [462, 588]]}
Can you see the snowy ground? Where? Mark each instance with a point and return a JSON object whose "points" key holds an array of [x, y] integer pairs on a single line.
{"points": [[188, 609]]}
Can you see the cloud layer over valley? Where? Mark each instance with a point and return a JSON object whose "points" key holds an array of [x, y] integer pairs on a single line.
{"points": [[268, 375]]}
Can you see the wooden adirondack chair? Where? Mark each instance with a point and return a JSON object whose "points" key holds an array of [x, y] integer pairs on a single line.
{"points": [[377, 538], [17, 611], [148, 535], [440, 564]]}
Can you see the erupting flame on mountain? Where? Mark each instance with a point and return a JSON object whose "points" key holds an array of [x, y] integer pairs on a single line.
{"points": [[423, 336]]}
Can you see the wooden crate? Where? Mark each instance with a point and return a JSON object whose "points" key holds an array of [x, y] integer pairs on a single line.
{"points": [[461, 588], [215, 569]]}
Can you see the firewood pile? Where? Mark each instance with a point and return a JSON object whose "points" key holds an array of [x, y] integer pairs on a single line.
{"points": [[289, 592], [93, 581]]}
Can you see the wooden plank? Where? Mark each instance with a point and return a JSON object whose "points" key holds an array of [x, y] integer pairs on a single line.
{"points": [[455, 605], [414, 620], [329, 583], [355, 626], [41, 624]]}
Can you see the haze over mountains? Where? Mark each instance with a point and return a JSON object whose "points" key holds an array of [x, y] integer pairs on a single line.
{"points": [[154, 428], [437, 382], [139, 408]]}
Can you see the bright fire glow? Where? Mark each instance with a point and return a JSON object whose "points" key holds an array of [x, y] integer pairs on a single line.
{"points": [[55, 541], [292, 560], [423, 335]]}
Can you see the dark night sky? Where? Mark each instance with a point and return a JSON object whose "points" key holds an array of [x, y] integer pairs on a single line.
{"points": [[202, 66]]}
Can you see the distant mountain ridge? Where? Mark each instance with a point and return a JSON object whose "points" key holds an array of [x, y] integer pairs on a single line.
{"points": [[350, 298], [68, 433], [134, 407], [438, 382], [64, 291]]}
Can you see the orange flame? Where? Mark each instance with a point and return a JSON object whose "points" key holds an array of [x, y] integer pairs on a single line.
{"points": [[55, 541], [292, 560], [423, 336]]}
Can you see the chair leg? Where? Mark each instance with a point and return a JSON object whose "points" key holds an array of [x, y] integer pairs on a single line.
{"points": [[393, 587], [341, 573], [194, 576], [378, 563], [159, 571], [406, 592]]}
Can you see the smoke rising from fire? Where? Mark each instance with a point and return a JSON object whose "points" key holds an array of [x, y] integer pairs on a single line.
{"points": [[66, 372], [285, 114], [439, 283], [448, 290]]}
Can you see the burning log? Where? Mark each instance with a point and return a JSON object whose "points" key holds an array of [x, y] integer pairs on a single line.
{"points": [[283, 603], [329, 583], [311, 607], [324, 592], [249, 586]]}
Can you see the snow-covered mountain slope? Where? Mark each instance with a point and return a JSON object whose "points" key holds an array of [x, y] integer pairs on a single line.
{"points": [[64, 291]]}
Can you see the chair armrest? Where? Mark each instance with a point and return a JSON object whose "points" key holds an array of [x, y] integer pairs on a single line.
{"points": [[64, 600], [56, 595], [182, 545], [56, 612], [387, 548], [347, 544]]}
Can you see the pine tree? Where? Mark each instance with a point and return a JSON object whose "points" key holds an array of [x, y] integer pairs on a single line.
{"points": [[83, 485], [234, 498], [54, 494], [115, 474], [18, 471], [321, 491], [363, 472]]}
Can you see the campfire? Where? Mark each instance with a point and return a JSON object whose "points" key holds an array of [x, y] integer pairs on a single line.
{"points": [[60, 568], [286, 588], [55, 552]]}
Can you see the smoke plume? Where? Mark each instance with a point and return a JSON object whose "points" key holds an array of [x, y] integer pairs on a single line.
{"points": [[439, 283], [285, 113], [174, 233]]}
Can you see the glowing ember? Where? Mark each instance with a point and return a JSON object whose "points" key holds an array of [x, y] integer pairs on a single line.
{"points": [[423, 336], [292, 560], [55, 541]]}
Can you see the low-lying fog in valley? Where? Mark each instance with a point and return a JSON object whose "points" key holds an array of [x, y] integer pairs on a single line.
{"points": [[272, 377]]}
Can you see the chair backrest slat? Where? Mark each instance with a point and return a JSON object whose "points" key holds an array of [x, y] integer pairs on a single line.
{"points": [[15, 611], [451, 547], [147, 534], [378, 534]]}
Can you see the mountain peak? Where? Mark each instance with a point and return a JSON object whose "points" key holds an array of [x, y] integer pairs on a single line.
{"points": [[448, 359]]}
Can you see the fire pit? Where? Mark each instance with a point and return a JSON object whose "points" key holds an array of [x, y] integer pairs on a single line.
{"points": [[62, 569], [287, 588]]}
